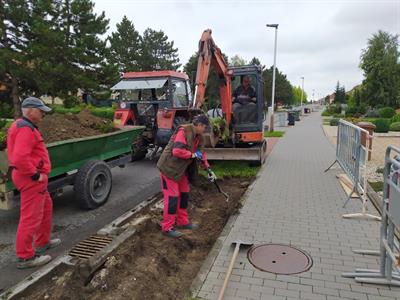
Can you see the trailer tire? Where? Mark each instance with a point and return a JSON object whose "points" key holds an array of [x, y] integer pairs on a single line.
{"points": [[93, 184]]}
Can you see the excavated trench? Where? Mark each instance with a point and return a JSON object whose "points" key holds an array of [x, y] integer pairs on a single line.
{"points": [[150, 265]]}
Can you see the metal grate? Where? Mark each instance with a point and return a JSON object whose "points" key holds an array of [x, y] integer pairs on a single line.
{"points": [[90, 246]]}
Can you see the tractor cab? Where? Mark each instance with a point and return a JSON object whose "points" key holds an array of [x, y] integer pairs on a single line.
{"points": [[156, 100], [247, 102]]}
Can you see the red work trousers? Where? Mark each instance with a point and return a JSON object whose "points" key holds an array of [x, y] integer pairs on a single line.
{"points": [[176, 200], [35, 215]]}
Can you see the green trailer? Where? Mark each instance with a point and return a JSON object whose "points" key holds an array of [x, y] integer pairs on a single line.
{"points": [[84, 163]]}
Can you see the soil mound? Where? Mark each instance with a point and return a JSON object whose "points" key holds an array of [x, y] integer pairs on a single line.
{"points": [[58, 127]]}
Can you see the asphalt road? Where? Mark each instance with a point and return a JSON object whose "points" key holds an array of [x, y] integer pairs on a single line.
{"points": [[131, 185]]}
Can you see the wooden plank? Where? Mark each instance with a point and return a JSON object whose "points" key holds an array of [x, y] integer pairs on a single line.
{"points": [[346, 184]]}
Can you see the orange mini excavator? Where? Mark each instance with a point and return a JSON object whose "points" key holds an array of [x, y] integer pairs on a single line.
{"points": [[162, 100], [242, 104]]}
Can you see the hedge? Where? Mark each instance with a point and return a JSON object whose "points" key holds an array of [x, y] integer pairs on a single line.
{"points": [[334, 122], [382, 125], [395, 126], [387, 112]]}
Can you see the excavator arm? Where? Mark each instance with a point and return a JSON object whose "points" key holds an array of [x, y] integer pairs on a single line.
{"points": [[210, 54]]}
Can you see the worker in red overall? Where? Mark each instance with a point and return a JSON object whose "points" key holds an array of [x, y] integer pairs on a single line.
{"points": [[30, 165], [181, 151]]}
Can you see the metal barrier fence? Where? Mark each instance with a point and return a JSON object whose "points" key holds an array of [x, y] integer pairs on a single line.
{"points": [[389, 272], [352, 155]]}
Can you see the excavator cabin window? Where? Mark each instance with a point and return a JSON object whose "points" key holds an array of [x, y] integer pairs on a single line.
{"points": [[244, 99]]}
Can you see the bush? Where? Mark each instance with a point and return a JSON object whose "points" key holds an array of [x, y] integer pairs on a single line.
{"points": [[334, 122], [103, 112], [350, 111], [395, 126], [3, 123], [387, 112], [326, 113], [396, 118], [63, 110], [373, 113], [382, 125], [332, 110], [70, 101], [3, 140], [355, 111], [6, 110]]}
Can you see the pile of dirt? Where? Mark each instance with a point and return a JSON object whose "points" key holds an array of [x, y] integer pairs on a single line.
{"points": [[57, 127], [150, 265]]}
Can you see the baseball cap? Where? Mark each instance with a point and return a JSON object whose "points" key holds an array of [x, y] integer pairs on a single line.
{"points": [[33, 102], [203, 119]]}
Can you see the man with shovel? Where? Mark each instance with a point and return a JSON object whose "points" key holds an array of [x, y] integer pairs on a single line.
{"points": [[181, 152]]}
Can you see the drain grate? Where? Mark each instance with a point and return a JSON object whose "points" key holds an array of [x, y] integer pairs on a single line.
{"points": [[90, 246], [279, 259]]}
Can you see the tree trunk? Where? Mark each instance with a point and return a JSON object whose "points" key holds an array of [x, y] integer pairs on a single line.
{"points": [[15, 97]]}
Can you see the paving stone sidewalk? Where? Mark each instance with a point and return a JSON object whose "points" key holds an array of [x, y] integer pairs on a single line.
{"points": [[295, 202]]}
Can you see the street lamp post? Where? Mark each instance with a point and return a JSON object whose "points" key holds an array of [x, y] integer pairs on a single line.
{"points": [[302, 93], [271, 127]]}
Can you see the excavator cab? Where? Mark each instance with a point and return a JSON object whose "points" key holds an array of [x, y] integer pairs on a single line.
{"points": [[247, 102]]}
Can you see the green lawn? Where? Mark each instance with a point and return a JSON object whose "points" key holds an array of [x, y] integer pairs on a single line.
{"points": [[274, 134], [376, 186], [232, 169]]}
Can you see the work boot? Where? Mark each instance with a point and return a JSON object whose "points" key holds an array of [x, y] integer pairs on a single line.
{"points": [[33, 262], [173, 233], [189, 226], [51, 244]]}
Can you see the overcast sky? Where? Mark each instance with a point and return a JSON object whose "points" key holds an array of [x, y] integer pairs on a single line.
{"points": [[320, 40]]}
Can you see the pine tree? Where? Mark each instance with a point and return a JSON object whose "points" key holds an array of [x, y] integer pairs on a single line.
{"points": [[87, 51], [14, 70], [45, 53], [157, 53], [125, 46], [212, 89], [256, 62], [340, 94]]}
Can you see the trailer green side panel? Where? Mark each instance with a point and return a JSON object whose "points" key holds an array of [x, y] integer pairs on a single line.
{"points": [[70, 155]]}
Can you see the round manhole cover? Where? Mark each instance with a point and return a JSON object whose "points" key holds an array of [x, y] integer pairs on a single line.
{"points": [[279, 259]]}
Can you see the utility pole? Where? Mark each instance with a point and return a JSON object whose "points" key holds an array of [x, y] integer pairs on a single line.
{"points": [[271, 125], [302, 94]]}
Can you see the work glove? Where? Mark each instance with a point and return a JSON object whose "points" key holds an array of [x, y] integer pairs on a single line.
{"points": [[198, 155], [211, 175]]}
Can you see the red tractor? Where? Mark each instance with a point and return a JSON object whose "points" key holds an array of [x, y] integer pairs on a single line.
{"points": [[158, 100]]}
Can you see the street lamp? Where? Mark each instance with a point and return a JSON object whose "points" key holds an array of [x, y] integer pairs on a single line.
{"points": [[302, 92], [271, 127]]}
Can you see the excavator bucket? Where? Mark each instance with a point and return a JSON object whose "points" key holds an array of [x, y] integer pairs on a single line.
{"points": [[256, 153]]}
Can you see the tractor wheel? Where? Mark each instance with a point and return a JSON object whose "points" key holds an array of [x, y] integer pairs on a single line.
{"points": [[93, 184]]}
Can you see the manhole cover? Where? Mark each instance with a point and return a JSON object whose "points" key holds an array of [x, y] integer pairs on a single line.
{"points": [[279, 259]]}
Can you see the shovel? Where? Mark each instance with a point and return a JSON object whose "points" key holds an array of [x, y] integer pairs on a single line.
{"points": [[237, 245], [210, 172]]}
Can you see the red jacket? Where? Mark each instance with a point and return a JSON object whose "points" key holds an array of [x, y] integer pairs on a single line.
{"points": [[180, 148], [27, 152]]}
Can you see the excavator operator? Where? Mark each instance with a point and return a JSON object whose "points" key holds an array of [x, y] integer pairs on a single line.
{"points": [[244, 101]]}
